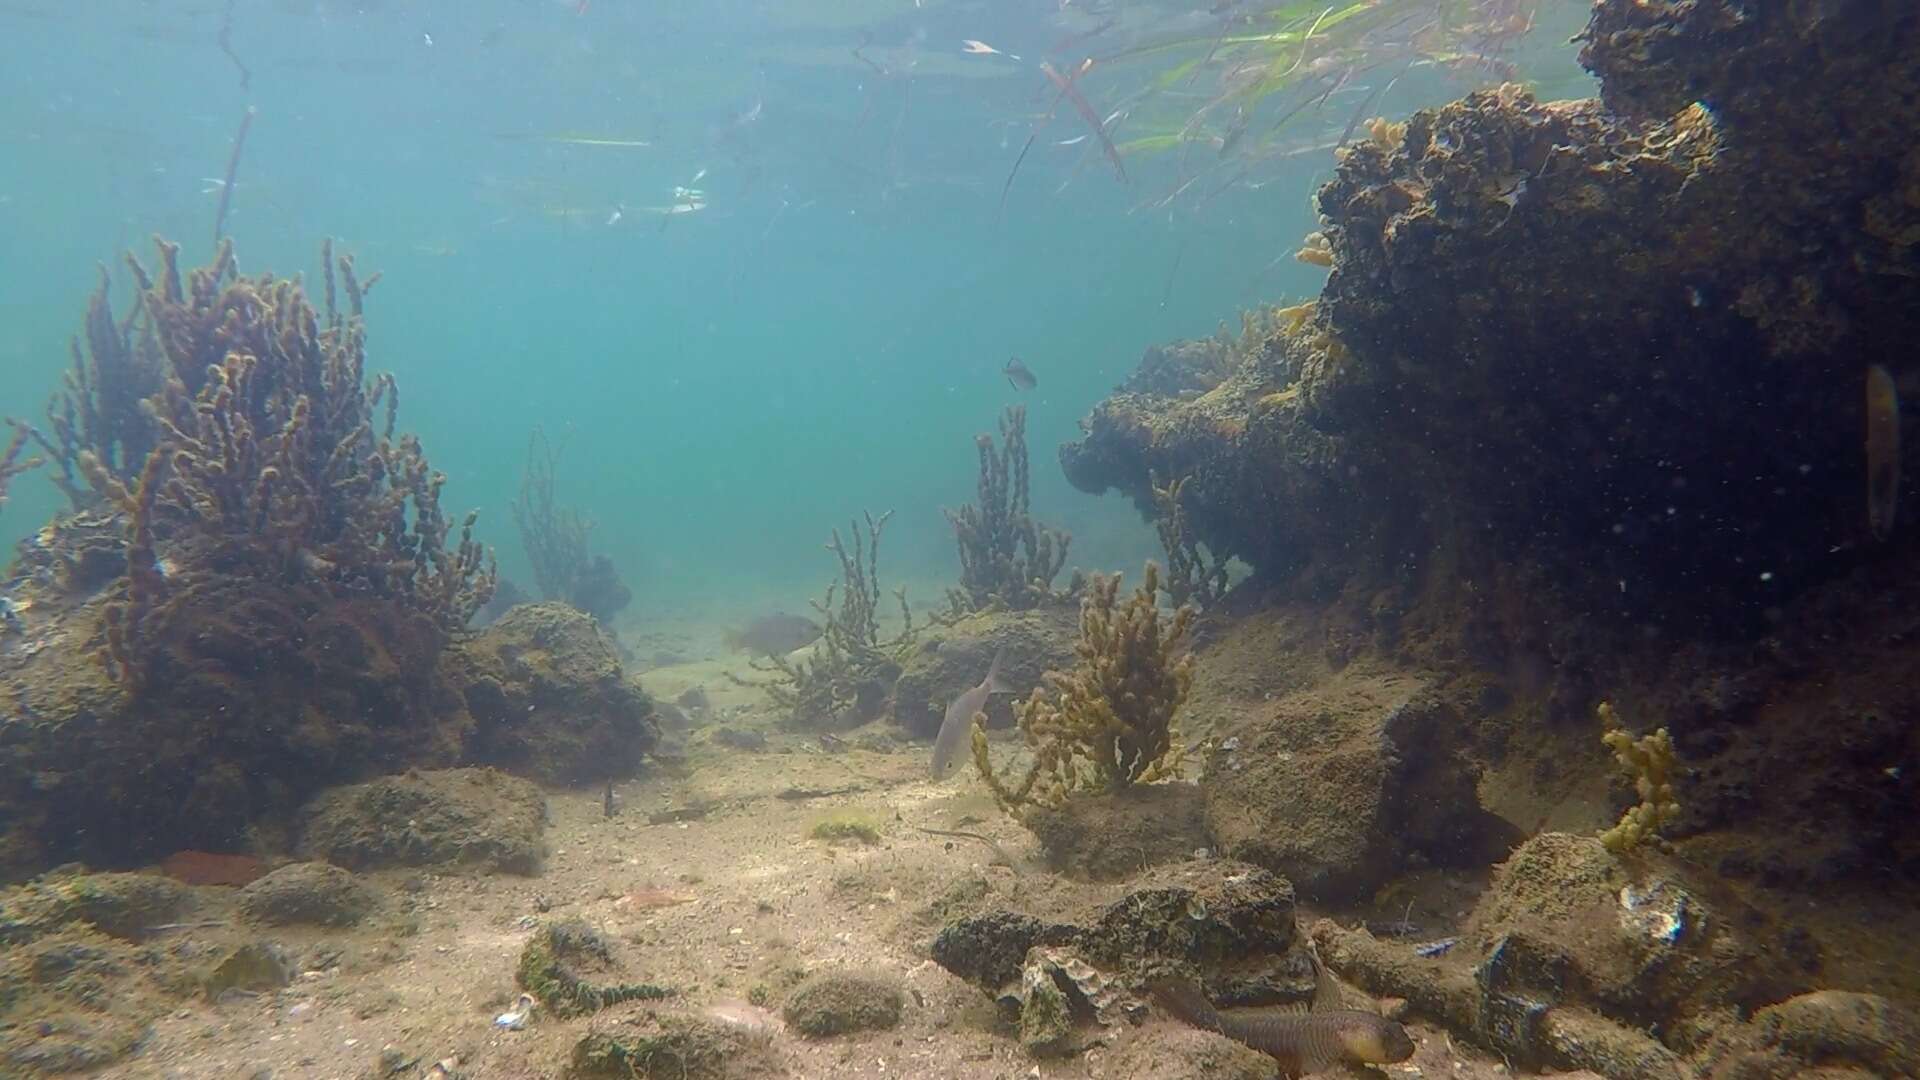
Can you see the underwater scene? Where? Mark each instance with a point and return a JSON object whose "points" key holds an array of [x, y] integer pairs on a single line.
{"points": [[974, 539]]}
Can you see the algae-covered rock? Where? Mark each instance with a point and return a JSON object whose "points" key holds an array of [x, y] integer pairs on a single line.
{"points": [[123, 905], [255, 966], [1835, 1026], [955, 657], [477, 819], [546, 690], [1109, 836], [573, 970], [314, 893], [1347, 780], [1229, 923], [664, 1048], [1644, 939], [842, 1002], [74, 1000], [989, 949]]}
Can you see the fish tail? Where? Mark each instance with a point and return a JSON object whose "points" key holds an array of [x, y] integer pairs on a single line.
{"points": [[994, 683]]}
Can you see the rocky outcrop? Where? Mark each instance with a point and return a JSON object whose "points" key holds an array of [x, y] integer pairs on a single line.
{"points": [[549, 699], [1342, 786]]}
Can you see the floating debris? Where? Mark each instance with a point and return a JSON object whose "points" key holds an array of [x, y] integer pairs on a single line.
{"points": [[522, 1012]]}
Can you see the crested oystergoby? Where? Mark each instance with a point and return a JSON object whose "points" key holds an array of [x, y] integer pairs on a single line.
{"points": [[1300, 1042]]}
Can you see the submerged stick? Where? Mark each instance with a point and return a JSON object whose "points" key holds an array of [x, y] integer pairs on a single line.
{"points": [[225, 40], [233, 166]]}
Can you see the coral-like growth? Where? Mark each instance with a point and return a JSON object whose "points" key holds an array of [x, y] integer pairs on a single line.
{"points": [[11, 464], [1190, 578], [1649, 761], [1109, 723], [555, 539], [1006, 560], [259, 453], [853, 666]]}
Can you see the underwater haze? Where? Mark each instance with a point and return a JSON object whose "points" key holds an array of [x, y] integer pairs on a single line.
{"points": [[824, 336], [959, 539]]}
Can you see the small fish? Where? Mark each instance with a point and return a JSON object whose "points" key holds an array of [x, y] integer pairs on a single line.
{"points": [[981, 48], [774, 635], [1019, 374], [956, 730], [1435, 948], [610, 803], [1883, 451], [1300, 1042]]}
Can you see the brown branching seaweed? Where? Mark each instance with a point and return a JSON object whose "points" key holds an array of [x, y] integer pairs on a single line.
{"points": [[1189, 577], [1006, 560], [555, 539], [99, 410], [258, 454], [11, 464], [1109, 723], [853, 666]]}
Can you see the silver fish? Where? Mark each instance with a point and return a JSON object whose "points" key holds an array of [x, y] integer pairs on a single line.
{"points": [[956, 730]]}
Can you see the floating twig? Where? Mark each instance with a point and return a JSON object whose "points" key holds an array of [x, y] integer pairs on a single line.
{"points": [[233, 166]]}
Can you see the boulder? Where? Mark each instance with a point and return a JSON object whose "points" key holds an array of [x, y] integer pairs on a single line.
{"points": [[843, 1002], [549, 698], [478, 819], [311, 893], [954, 658], [1340, 785]]}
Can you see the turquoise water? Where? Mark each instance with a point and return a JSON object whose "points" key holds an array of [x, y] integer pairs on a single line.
{"points": [[824, 336]]}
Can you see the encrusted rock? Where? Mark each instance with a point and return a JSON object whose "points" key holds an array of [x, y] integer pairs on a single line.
{"points": [[466, 818], [546, 690], [1227, 922], [1643, 939], [1344, 783], [314, 893]]}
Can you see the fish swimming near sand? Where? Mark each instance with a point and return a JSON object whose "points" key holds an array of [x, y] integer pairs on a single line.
{"points": [[774, 635], [956, 730], [1019, 374], [1301, 1043]]}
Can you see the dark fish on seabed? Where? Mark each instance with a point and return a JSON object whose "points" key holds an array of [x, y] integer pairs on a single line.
{"points": [[956, 730], [1019, 374], [774, 635], [1300, 1042]]}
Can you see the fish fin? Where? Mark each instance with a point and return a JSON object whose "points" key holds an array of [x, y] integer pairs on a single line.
{"points": [[1011, 382], [1326, 992], [993, 682]]}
